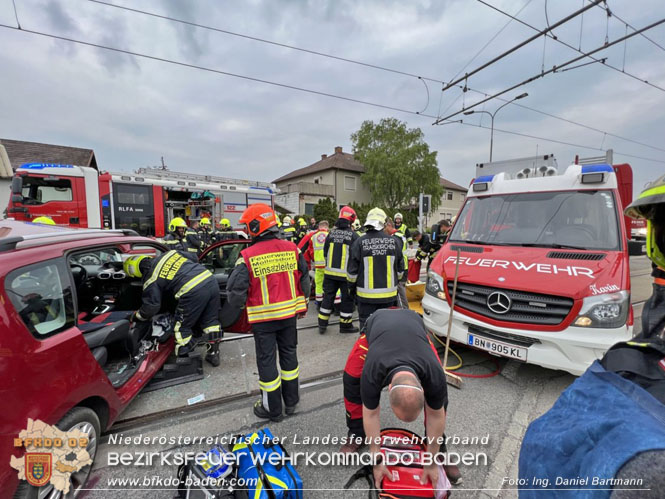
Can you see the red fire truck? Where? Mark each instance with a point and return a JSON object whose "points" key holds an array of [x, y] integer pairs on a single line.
{"points": [[145, 201]]}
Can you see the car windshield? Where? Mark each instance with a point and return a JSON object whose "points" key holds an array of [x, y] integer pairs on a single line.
{"points": [[570, 219]]}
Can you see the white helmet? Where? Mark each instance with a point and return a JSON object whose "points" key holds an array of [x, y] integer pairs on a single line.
{"points": [[376, 218]]}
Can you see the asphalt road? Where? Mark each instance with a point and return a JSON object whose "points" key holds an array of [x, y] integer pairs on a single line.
{"points": [[497, 409]]}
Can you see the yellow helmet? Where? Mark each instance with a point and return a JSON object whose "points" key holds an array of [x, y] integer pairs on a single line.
{"points": [[205, 221], [177, 222], [650, 205], [43, 220], [301, 221], [132, 267], [279, 223], [225, 222]]}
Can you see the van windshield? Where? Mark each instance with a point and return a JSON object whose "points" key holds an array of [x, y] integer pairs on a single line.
{"points": [[569, 219]]}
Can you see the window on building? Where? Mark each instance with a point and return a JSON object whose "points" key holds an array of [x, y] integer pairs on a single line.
{"points": [[309, 209], [449, 195], [349, 183]]}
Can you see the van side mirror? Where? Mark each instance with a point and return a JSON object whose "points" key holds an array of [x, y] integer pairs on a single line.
{"points": [[17, 186]]}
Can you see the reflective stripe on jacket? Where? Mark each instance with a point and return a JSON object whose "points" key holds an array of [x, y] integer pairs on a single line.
{"points": [[318, 242]]}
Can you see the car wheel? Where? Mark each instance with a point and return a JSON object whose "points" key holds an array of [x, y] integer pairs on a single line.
{"points": [[86, 420]]}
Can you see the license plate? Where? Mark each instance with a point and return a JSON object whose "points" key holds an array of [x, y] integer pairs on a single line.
{"points": [[497, 347]]}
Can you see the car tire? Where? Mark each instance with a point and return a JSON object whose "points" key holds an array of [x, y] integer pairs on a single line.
{"points": [[86, 420]]}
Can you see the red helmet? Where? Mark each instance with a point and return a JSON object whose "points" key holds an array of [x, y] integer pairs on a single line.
{"points": [[258, 218], [348, 213]]}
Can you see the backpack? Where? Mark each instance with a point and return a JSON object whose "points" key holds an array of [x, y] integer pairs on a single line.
{"points": [[403, 451], [263, 479], [212, 478]]}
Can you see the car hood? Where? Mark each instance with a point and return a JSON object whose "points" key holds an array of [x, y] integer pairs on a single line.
{"points": [[571, 273]]}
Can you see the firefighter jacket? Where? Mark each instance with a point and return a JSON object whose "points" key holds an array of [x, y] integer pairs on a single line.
{"points": [[405, 231], [289, 232], [318, 242], [226, 235], [171, 274], [375, 267], [271, 279], [194, 244], [337, 248], [402, 241], [426, 248], [173, 242], [207, 237]]}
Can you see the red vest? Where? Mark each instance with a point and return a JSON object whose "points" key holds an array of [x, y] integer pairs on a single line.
{"points": [[274, 281]]}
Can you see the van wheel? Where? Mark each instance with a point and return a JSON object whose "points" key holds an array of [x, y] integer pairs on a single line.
{"points": [[86, 420]]}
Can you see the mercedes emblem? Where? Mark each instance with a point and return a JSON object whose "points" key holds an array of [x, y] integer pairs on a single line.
{"points": [[499, 302]]}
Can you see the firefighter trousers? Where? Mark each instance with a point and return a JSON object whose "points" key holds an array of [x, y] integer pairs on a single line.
{"points": [[367, 308], [198, 308], [318, 282], [330, 288], [269, 338], [351, 379]]}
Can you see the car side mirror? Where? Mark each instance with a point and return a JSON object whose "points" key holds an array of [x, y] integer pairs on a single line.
{"points": [[17, 198]]}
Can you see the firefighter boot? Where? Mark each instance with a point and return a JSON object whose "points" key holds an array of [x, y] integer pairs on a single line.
{"points": [[212, 357], [262, 412]]}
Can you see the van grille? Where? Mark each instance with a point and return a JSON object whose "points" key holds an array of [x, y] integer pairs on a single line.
{"points": [[527, 308]]}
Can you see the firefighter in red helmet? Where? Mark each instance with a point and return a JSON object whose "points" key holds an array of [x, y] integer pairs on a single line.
{"points": [[271, 280], [336, 250]]}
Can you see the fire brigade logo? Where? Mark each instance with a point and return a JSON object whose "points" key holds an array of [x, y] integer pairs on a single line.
{"points": [[38, 468]]}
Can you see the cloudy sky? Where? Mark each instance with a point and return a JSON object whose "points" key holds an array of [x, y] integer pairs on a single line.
{"points": [[133, 110]]}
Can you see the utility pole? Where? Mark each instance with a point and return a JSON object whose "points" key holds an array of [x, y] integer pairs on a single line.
{"points": [[163, 165]]}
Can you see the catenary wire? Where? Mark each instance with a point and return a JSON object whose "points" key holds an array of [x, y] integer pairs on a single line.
{"points": [[642, 80], [316, 92], [631, 27], [374, 66]]}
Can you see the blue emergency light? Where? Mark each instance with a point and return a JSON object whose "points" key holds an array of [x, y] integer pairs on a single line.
{"points": [[41, 166], [482, 183], [595, 174]]}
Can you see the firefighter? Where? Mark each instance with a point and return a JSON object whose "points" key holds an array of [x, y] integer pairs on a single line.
{"points": [[177, 240], [394, 350], [43, 220], [288, 230], [376, 265], [312, 247], [226, 232], [401, 289], [301, 231], [336, 252], [206, 234], [271, 280], [196, 291], [650, 205], [401, 227]]}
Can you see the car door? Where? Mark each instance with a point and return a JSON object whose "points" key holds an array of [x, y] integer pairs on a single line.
{"points": [[220, 258]]}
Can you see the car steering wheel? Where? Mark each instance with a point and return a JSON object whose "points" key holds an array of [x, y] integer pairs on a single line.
{"points": [[81, 275]]}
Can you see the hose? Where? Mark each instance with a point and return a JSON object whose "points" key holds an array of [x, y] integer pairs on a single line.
{"points": [[458, 366]]}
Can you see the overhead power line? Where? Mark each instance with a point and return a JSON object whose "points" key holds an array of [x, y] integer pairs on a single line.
{"points": [[642, 80], [614, 14], [302, 89], [365, 64], [555, 68], [523, 43]]}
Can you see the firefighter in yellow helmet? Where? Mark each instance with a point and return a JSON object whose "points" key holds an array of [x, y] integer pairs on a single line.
{"points": [[288, 229], [43, 220], [226, 232], [181, 238], [271, 280], [301, 230], [650, 205], [196, 291], [206, 233]]}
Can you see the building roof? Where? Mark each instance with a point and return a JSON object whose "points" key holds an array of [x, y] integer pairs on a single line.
{"points": [[447, 184], [338, 161], [20, 152]]}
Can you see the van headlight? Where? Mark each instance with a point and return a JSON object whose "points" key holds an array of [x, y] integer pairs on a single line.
{"points": [[434, 285], [606, 311]]}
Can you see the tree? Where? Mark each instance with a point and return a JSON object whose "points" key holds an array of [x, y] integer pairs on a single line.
{"points": [[326, 209], [398, 163]]}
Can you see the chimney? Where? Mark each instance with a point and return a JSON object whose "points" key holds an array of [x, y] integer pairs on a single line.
{"points": [[338, 150], [324, 156]]}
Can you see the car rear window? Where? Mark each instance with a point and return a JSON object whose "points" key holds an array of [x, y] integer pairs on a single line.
{"points": [[41, 294]]}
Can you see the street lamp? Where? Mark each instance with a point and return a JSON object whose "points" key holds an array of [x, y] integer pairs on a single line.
{"points": [[520, 96]]}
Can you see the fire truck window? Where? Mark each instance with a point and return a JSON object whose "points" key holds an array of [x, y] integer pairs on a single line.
{"points": [[42, 296], [39, 190]]}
